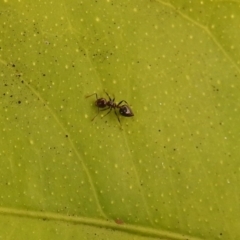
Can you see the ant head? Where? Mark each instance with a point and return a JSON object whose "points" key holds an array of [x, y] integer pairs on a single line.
{"points": [[101, 103], [125, 111]]}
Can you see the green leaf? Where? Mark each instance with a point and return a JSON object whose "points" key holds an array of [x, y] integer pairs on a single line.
{"points": [[169, 172]]}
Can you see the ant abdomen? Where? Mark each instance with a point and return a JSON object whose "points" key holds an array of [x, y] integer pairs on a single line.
{"points": [[125, 111]]}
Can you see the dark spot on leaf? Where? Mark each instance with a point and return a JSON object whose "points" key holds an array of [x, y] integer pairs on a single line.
{"points": [[119, 221]]}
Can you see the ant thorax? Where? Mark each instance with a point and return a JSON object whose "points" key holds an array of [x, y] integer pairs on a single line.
{"points": [[111, 104]]}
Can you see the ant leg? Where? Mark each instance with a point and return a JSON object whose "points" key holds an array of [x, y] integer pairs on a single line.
{"points": [[104, 109], [108, 111], [122, 102], [92, 95], [96, 115], [99, 111], [110, 100], [117, 116], [96, 98], [108, 96]]}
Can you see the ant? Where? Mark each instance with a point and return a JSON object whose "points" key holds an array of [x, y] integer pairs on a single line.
{"points": [[105, 104]]}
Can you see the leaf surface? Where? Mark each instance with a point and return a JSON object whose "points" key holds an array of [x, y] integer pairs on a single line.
{"points": [[169, 172]]}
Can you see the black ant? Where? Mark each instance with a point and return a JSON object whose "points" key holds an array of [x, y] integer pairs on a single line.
{"points": [[124, 110]]}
